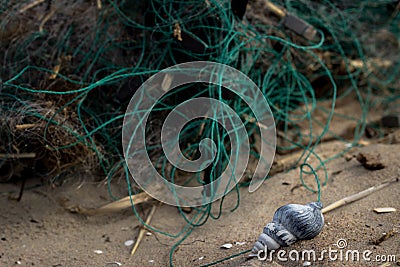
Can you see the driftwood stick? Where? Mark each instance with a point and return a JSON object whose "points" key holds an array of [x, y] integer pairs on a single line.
{"points": [[280, 12], [31, 5], [99, 5], [25, 126], [18, 156], [45, 19], [124, 203], [111, 207], [357, 196], [143, 230]]}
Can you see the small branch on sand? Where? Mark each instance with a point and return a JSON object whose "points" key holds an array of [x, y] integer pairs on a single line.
{"points": [[143, 230], [357, 196]]}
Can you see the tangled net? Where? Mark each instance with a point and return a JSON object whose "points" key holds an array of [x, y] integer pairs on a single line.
{"points": [[69, 69]]}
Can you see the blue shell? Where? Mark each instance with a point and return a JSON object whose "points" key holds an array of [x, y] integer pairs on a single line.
{"points": [[290, 223], [303, 221]]}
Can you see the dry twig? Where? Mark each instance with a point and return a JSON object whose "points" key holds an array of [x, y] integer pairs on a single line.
{"points": [[45, 19], [357, 196], [385, 236], [143, 230], [18, 156], [111, 207], [25, 126], [31, 5]]}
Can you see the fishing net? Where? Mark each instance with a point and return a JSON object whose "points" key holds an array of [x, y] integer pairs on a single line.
{"points": [[69, 69]]}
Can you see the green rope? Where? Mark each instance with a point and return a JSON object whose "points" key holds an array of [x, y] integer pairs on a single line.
{"points": [[104, 55], [226, 258], [312, 171]]}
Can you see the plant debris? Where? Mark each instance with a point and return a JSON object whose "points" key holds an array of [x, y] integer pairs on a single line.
{"points": [[384, 210], [385, 236], [370, 161]]}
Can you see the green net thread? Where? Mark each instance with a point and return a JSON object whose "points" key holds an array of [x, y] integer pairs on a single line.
{"points": [[108, 51]]}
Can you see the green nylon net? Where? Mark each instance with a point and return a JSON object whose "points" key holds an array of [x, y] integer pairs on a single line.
{"points": [[69, 69]]}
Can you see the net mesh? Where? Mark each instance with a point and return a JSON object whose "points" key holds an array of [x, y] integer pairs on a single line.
{"points": [[69, 69]]}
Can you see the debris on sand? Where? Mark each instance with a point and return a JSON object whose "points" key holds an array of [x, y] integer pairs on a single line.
{"points": [[370, 161], [384, 210], [227, 246]]}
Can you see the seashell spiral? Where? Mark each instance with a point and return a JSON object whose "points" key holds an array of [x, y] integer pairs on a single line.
{"points": [[290, 223]]}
